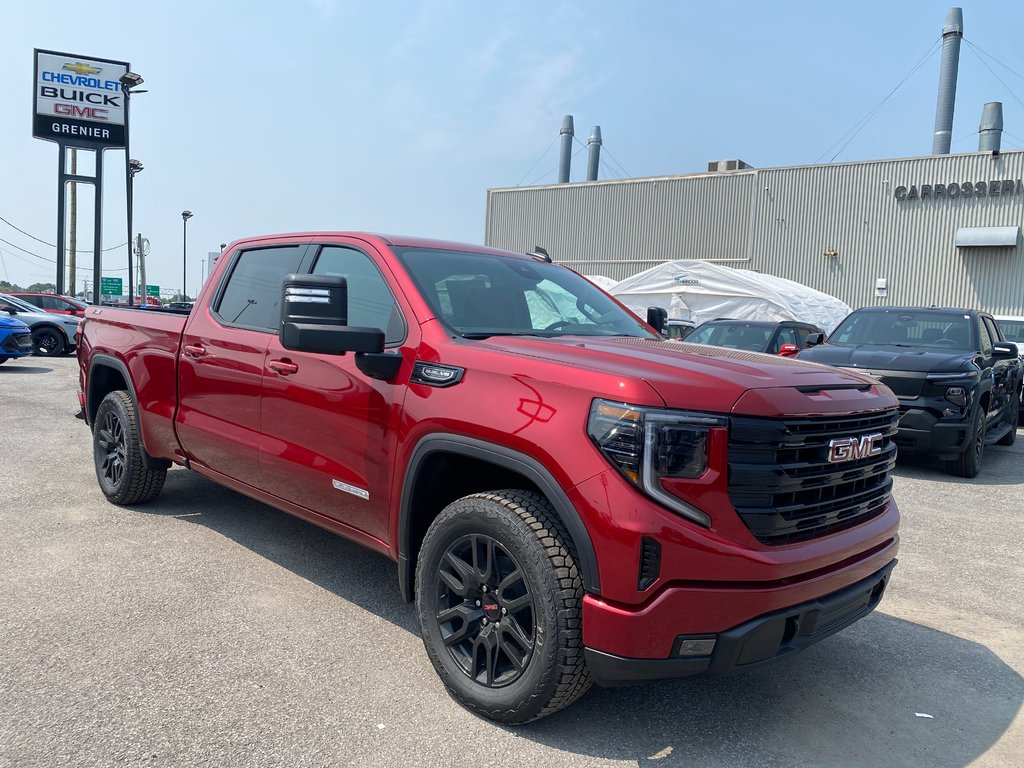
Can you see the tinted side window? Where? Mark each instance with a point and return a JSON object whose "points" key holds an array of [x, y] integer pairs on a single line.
{"points": [[370, 302], [786, 336], [986, 340], [993, 330], [252, 296]]}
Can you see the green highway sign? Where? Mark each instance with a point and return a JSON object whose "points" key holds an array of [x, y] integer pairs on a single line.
{"points": [[153, 290], [110, 286]]}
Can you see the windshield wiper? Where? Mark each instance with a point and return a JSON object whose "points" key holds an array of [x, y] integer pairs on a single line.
{"points": [[487, 334]]}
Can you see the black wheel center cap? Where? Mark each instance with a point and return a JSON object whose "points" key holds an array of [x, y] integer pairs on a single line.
{"points": [[490, 607]]}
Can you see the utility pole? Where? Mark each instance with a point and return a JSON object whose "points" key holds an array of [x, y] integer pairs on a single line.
{"points": [[143, 301], [73, 204]]}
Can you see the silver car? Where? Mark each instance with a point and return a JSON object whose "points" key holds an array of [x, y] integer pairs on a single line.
{"points": [[51, 334]]}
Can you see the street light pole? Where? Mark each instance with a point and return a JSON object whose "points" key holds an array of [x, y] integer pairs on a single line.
{"points": [[128, 81], [185, 216], [134, 167]]}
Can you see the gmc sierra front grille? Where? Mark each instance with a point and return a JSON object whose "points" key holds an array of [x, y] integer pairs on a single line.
{"points": [[797, 479]]}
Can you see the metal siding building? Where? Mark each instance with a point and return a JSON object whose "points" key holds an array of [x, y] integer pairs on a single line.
{"points": [[838, 228]]}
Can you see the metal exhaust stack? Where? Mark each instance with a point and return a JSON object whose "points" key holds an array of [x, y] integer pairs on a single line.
{"points": [[952, 34], [565, 155], [990, 132], [594, 156]]}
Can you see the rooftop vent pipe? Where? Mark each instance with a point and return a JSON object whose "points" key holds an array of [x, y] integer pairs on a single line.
{"points": [[565, 155], [594, 155], [990, 132], [952, 34]]}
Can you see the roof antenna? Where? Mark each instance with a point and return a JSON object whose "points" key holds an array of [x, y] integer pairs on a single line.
{"points": [[540, 254]]}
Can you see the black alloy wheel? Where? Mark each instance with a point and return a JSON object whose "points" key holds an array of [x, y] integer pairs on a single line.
{"points": [[485, 610], [125, 473], [969, 462], [47, 342], [499, 600], [111, 448]]}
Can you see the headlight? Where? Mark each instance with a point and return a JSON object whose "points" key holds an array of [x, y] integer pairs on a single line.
{"points": [[950, 375], [648, 445]]}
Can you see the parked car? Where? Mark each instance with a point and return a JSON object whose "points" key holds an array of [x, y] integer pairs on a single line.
{"points": [[678, 329], [957, 378], [785, 338], [51, 334], [58, 305], [186, 305], [15, 338], [568, 500]]}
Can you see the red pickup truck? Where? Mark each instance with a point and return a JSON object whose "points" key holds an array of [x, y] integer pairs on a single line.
{"points": [[569, 496]]}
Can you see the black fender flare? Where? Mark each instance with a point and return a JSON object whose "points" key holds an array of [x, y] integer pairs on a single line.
{"points": [[100, 360], [503, 457]]}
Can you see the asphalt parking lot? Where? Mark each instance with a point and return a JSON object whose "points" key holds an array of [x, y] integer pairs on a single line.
{"points": [[208, 629]]}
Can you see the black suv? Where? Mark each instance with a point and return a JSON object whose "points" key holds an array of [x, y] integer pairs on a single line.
{"points": [[957, 379]]}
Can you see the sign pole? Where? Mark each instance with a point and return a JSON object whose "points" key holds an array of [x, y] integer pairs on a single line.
{"points": [[61, 187], [97, 229]]}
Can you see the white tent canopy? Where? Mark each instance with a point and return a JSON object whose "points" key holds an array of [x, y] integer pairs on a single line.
{"points": [[699, 291]]}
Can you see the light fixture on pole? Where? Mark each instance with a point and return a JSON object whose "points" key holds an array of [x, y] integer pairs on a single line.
{"points": [[134, 167], [129, 80], [185, 216]]}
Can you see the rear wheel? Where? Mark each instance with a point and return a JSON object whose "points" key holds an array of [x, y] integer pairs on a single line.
{"points": [[969, 462], [1013, 418], [47, 342], [499, 599], [117, 453]]}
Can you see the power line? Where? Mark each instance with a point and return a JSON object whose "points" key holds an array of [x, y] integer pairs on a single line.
{"points": [[997, 61], [54, 245], [51, 261], [542, 154], [997, 77], [859, 125]]}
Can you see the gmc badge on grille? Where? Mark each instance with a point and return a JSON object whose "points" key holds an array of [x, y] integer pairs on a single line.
{"points": [[850, 448]]}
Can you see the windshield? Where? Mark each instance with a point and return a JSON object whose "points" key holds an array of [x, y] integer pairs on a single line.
{"points": [[1013, 330], [752, 337], [936, 330], [480, 295], [19, 304]]}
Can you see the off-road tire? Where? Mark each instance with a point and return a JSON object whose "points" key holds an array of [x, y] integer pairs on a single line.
{"points": [[968, 464], [524, 526], [118, 455], [1013, 417], [47, 342]]}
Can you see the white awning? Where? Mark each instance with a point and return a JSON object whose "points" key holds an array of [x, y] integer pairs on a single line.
{"points": [[987, 237]]}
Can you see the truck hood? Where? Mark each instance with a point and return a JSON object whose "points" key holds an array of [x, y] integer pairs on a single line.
{"points": [[873, 357], [684, 375]]}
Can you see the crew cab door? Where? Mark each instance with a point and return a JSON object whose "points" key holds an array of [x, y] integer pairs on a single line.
{"points": [[1004, 371], [220, 367], [328, 430]]}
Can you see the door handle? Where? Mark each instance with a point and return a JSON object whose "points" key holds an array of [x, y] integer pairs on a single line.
{"points": [[195, 350], [283, 367]]}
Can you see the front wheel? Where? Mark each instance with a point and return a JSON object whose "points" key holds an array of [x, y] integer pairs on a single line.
{"points": [[969, 462], [499, 598], [47, 342], [117, 453]]}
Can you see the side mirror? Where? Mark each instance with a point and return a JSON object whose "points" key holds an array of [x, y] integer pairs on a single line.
{"points": [[814, 339], [1004, 350], [9, 309], [314, 318], [788, 350], [657, 318]]}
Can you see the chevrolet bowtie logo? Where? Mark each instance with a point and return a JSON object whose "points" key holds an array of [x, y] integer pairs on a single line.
{"points": [[81, 69]]}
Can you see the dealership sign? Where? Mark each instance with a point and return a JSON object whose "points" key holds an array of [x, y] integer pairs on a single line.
{"points": [[78, 100], [994, 188]]}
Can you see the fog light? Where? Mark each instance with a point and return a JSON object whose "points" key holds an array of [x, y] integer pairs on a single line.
{"points": [[957, 396], [697, 646]]}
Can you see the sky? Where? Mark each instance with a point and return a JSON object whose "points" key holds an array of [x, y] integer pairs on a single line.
{"points": [[397, 117]]}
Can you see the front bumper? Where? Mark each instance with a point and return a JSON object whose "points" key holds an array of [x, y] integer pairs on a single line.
{"points": [[767, 637], [922, 431]]}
